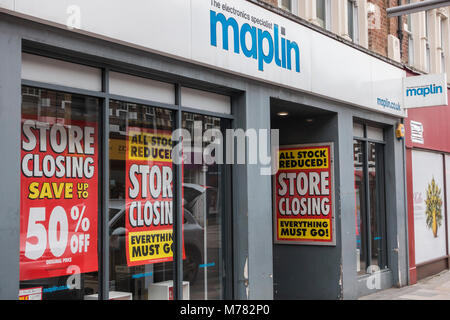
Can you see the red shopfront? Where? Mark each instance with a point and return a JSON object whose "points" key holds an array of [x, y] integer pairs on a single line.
{"points": [[427, 140]]}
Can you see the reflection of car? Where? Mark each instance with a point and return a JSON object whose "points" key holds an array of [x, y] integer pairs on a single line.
{"points": [[195, 195], [193, 240]]}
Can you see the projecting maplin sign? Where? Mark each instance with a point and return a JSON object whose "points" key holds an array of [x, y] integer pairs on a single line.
{"points": [[425, 91]]}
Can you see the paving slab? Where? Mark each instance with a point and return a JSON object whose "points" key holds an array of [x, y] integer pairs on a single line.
{"points": [[436, 287]]}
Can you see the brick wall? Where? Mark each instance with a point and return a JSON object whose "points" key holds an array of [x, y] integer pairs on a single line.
{"points": [[380, 26], [272, 2]]}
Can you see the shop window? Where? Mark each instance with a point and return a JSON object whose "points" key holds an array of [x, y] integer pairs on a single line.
{"points": [[429, 194], [63, 216], [141, 200], [142, 206], [203, 195], [442, 42], [59, 195], [370, 216]]}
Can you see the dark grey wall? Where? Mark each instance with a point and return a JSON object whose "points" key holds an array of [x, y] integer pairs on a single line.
{"points": [[346, 201], [303, 271], [10, 115], [240, 208], [258, 201]]}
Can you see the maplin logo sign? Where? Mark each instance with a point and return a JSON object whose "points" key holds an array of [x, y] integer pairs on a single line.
{"points": [[423, 90], [259, 39]]}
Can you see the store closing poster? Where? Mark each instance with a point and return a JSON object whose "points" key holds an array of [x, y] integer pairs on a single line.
{"points": [[304, 195], [59, 198], [149, 197]]}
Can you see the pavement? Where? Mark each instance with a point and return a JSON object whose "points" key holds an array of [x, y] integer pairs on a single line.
{"points": [[436, 287]]}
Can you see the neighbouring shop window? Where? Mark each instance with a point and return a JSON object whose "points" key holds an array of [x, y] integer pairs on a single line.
{"points": [[430, 223], [59, 195], [370, 211]]}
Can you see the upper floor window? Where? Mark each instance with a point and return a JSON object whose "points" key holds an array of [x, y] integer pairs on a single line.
{"points": [[427, 43], [323, 13], [352, 20], [289, 5], [442, 42], [409, 31], [370, 199]]}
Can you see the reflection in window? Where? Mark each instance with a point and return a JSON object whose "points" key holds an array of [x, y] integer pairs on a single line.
{"points": [[141, 206]]}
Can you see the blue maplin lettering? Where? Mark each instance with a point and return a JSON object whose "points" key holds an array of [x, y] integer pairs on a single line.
{"points": [[388, 104], [423, 91], [282, 59]]}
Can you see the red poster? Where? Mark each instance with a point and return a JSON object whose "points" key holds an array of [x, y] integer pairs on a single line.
{"points": [[59, 198], [303, 195], [149, 197]]}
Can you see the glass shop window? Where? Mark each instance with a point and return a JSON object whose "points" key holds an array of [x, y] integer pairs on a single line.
{"points": [[142, 206], [141, 200], [203, 188], [370, 211], [59, 205]]}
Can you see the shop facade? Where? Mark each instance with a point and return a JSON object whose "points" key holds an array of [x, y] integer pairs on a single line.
{"points": [[95, 205]]}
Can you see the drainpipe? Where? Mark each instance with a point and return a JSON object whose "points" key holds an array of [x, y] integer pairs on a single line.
{"points": [[405, 192]]}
